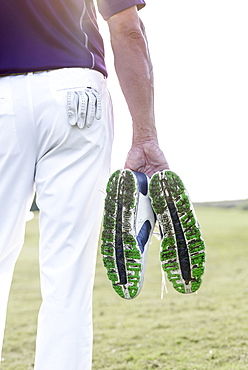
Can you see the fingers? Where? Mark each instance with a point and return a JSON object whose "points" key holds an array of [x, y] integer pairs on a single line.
{"points": [[83, 107], [72, 106], [146, 158]]}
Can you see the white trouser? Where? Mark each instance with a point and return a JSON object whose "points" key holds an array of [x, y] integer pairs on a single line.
{"points": [[69, 167]]}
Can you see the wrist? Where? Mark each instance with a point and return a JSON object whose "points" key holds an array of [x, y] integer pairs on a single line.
{"points": [[144, 135], [145, 141]]}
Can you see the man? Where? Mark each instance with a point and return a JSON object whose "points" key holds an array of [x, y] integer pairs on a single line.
{"points": [[56, 134]]}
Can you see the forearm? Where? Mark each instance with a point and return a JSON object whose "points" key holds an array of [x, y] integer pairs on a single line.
{"points": [[134, 71]]}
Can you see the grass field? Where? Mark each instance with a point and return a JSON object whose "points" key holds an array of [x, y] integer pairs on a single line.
{"points": [[203, 331]]}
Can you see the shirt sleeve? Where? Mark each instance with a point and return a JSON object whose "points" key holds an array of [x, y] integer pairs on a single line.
{"points": [[107, 8]]}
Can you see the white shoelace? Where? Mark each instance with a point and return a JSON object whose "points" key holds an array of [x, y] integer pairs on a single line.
{"points": [[163, 284]]}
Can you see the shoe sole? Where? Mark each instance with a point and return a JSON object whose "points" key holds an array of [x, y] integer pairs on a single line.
{"points": [[120, 252], [182, 250]]}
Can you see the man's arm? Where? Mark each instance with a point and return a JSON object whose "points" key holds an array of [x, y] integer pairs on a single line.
{"points": [[134, 70]]}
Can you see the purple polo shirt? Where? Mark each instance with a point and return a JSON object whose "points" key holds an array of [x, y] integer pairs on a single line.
{"points": [[37, 35]]}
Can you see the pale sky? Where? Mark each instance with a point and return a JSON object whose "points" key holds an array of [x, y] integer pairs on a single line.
{"points": [[199, 51]]}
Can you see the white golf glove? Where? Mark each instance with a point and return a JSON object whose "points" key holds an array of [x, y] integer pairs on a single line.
{"points": [[83, 107]]}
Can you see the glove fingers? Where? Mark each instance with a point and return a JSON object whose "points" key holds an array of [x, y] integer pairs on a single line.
{"points": [[90, 114], [83, 107], [72, 106], [98, 105]]}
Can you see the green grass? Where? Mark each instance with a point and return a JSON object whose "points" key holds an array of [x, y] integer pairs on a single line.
{"points": [[202, 331]]}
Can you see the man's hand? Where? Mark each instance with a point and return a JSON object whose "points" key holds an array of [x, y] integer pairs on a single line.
{"points": [[147, 158]]}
